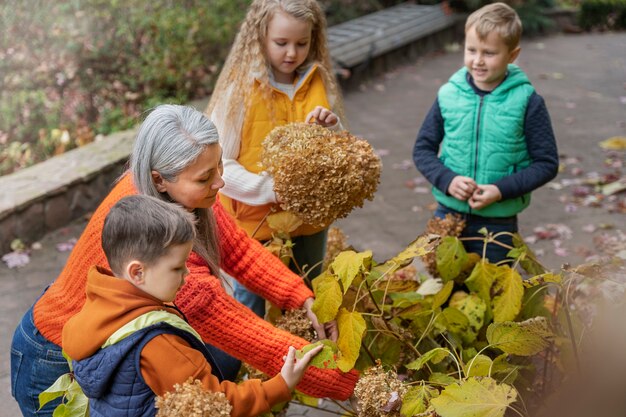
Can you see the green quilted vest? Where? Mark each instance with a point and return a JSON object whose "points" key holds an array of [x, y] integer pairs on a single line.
{"points": [[484, 136]]}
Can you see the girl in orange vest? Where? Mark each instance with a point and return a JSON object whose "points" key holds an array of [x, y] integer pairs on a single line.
{"points": [[278, 72]]}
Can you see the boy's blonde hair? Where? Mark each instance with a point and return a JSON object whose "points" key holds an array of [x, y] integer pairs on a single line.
{"points": [[498, 17], [248, 63]]}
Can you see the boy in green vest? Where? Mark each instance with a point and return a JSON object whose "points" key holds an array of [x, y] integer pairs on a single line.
{"points": [[130, 343], [487, 141]]}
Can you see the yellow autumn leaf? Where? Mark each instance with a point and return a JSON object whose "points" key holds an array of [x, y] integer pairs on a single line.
{"points": [[451, 258], [479, 365], [283, 222], [417, 399], [327, 298], [615, 143], [351, 330], [349, 264], [508, 292], [474, 398], [419, 247], [542, 279], [524, 338], [481, 279]]}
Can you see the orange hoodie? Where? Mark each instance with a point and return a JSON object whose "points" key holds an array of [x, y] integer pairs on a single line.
{"points": [[215, 315], [112, 302]]}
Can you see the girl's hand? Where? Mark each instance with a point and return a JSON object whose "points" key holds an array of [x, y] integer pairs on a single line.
{"points": [[462, 187], [322, 116], [484, 195]]}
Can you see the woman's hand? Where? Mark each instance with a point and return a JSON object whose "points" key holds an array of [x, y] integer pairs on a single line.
{"points": [[319, 328], [322, 116]]}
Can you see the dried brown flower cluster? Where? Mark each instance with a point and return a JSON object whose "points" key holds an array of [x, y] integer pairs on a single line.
{"points": [[297, 323], [191, 399], [320, 175], [451, 225], [379, 393], [336, 242]]}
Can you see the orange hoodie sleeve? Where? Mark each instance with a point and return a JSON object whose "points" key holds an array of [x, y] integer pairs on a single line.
{"points": [[255, 267], [250, 398]]}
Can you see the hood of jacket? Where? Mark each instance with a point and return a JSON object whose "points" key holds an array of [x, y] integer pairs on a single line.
{"points": [[111, 303]]}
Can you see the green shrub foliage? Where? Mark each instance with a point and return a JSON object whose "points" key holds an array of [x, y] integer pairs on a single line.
{"points": [[93, 66], [603, 14]]}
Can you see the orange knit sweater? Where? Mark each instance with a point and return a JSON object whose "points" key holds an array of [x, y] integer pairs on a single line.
{"points": [[219, 318]]}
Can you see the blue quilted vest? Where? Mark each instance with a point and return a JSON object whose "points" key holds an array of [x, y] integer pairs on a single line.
{"points": [[111, 378], [484, 136]]}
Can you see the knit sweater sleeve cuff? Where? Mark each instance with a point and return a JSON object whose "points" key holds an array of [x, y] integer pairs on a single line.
{"points": [[247, 187], [276, 390]]}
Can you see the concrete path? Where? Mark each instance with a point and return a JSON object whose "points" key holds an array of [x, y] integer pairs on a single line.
{"points": [[581, 77]]}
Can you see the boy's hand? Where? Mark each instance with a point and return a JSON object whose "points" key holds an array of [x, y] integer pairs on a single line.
{"points": [[484, 195], [293, 369], [322, 116], [462, 187]]}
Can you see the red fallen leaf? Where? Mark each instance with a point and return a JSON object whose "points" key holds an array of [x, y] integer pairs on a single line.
{"points": [[609, 178], [581, 191]]}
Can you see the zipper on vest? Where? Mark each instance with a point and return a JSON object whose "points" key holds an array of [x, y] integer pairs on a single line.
{"points": [[480, 108]]}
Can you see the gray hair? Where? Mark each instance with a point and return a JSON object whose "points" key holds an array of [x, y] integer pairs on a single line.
{"points": [[169, 140], [146, 238]]}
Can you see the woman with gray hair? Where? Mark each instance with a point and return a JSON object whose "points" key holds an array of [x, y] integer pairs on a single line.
{"points": [[177, 157]]}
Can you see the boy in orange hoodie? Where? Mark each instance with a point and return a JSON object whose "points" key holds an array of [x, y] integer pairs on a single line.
{"points": [[130, 343]]}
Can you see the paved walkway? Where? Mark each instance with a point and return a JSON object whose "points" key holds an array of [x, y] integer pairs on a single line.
{"points": [[582, 78]]}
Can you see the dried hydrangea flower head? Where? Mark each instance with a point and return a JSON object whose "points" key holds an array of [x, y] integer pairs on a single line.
{"points": [[297, 323], [379, 393], [191, 399], [320, 175]]}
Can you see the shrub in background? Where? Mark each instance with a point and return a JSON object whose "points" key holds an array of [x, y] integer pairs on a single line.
{"points": [[603, 14], [93, 66]]}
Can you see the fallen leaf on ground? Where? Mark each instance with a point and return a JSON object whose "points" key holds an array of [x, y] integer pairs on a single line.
{"points": [[16, 259], [616, 143], [66, 246]]}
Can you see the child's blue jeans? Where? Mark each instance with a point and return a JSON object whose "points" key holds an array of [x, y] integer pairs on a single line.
{"points": [[473, 223]]}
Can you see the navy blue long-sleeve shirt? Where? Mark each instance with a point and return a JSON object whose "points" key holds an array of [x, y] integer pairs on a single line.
{"points": [[540, 142]]}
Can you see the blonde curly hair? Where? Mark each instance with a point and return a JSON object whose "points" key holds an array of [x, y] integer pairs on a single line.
{"points": [[247, 63]]}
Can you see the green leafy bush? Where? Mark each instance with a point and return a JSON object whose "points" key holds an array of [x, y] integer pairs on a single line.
{"points": [[91, 67], [531, 12], [475, 339], [603, 14]]}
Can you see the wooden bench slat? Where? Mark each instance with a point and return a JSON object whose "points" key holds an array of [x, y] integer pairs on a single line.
{"points": [[372, 35]]}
